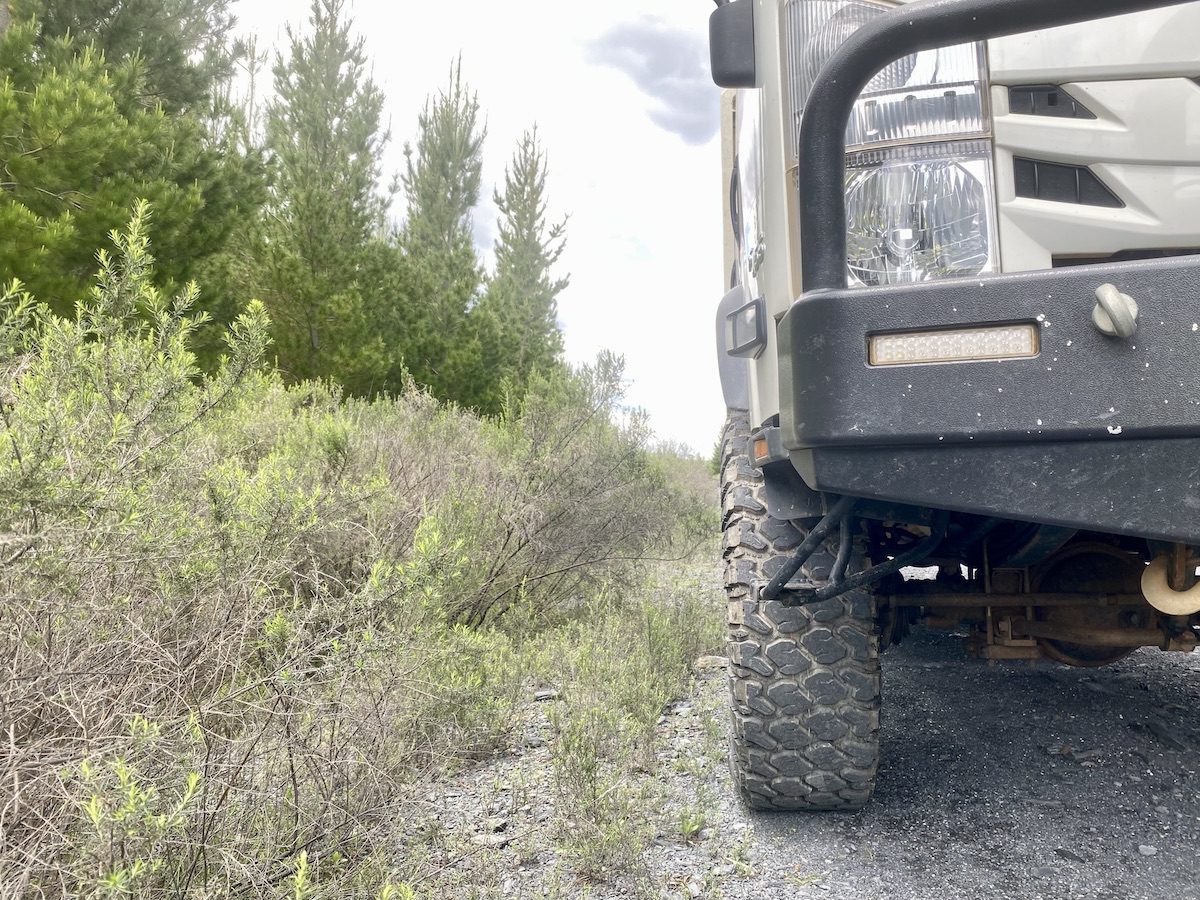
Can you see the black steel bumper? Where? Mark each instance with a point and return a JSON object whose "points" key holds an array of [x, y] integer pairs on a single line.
{"points": [[1094, 432]]}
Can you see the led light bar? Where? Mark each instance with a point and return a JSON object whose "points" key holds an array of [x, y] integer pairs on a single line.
{"points": [[954, 345]]}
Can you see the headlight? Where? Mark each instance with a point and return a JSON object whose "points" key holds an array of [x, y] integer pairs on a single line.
{"points": [[919, 198], [919, 212]]}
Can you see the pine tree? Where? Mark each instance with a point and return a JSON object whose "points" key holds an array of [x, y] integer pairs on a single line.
{"points": [[79, 146], [441, 182], [183, 45], [325, 137], [517, 320]]}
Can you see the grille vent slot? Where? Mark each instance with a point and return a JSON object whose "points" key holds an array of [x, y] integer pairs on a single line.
{"points": [[1046, 100], [1059, 183]]}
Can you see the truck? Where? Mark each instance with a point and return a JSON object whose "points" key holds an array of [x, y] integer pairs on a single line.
{"points": [[959, 348]]}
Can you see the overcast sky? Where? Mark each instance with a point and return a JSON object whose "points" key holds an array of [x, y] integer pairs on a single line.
{"points": [[621, 95]]}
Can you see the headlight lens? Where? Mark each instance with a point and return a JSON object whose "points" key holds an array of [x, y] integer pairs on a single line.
{"points": [[931, 94], [919, 189], [919, 212]]}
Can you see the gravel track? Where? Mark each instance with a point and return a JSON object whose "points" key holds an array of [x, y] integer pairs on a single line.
{"points": [[1004, 781], [1009, 780]]}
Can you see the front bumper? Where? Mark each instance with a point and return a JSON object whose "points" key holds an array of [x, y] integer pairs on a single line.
{"points": [[1094, 432]]}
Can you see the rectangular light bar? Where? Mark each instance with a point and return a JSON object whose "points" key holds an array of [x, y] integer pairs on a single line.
{"points": [[911, 348]]}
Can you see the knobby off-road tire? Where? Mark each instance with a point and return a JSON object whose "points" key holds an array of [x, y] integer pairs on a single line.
{"points": [[805, 681]]}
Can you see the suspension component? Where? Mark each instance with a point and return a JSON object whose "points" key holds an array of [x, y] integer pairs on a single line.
{"points": [[1159, 593]]}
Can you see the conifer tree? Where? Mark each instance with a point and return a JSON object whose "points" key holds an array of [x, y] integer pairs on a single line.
{"points": [[79, 146], [517, 320], [183, 45], [325, 137], [441, 182]]}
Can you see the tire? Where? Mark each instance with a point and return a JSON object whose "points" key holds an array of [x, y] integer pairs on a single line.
{"points": [[804, 681]]}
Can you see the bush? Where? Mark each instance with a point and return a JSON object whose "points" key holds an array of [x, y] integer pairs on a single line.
{"points": [[242, 620]]}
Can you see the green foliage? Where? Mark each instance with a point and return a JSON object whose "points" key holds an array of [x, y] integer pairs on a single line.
{"points": [[325, 138], [244, 619], [517, 318], [441, 183], [620, 665], [80, 145], [182, 45]]}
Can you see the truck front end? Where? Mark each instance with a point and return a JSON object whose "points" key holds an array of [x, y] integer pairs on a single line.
{"points": [[962, 330]]}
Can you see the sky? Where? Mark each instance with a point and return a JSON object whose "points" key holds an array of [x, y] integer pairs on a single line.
{"points": [[625, 107]]}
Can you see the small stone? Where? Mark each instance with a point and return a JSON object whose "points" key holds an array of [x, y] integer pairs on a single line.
{"points": [[1147, 850], [492, 841], [496, 824], [545, 694], [723, 870], [1161, 809], [1069, 854], [708, 663]]}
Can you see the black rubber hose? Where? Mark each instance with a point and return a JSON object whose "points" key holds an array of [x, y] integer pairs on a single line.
{"points": [[843, 556], [936, 535], [814, 540]]}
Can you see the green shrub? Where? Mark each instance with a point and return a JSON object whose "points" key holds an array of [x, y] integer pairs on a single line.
{"points": [[242, 619]]}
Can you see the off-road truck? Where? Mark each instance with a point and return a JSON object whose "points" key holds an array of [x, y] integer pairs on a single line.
{"points": [[960, 351]]}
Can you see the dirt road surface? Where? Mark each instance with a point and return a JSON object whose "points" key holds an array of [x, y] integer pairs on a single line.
{"points": [[1005, 781], [997, 781]]}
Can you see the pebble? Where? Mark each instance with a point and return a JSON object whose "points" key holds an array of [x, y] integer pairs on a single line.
{"points": [[1147, 850], [711, 662], [546, 694], [493, 841]]}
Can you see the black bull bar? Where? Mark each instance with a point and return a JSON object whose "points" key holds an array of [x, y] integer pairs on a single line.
{"points": [[1095, 432]]}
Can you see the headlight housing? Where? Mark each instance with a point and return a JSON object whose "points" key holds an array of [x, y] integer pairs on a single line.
{"points": [[919, 191], [919, 212]]}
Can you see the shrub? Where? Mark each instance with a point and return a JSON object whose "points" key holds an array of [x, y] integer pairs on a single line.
{"points": [[243, 620]]}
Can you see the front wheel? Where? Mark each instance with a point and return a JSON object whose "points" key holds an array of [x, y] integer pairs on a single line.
{"points": [[805, 681]]}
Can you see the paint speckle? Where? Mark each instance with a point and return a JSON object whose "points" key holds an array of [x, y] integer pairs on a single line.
{"points": [[1039, 421], [1196, 326], [1069, 343], [1041, 317], [1115, 429]]}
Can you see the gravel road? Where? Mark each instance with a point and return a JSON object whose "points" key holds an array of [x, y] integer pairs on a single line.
{"points": [[1004, 781], [998, 781]]}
